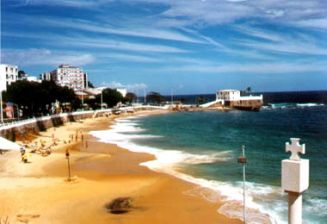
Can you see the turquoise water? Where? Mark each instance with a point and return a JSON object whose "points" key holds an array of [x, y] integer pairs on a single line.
{"points": [[205, 146]]}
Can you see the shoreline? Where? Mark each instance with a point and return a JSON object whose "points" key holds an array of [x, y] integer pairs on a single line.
{"points": [[110, 171], [230, 204]]}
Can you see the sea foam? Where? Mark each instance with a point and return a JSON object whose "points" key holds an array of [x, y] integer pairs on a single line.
{"points": [[292, 105]]}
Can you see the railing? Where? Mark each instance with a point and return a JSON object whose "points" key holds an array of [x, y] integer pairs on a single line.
{"points": [[14, 124]]}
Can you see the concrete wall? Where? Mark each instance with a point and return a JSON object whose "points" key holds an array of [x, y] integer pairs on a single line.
{"points": [[245, 104], [35, 125]]}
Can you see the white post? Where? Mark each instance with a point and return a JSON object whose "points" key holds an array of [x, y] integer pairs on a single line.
{"points": [[295, 179], [294, 207]]}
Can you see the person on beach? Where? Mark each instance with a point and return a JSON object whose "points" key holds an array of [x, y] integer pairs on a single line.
{"points": [[22, 151], [23, 154]]}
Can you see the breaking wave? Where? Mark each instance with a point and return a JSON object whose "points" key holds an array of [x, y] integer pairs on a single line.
{"points": [[261, 199], [292, 105]]}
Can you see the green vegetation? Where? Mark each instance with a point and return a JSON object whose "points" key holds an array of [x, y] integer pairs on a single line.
{"points": [[36, 99], [199, 100], [90, 84], [111, 97], [130, 98], [155, 98]]}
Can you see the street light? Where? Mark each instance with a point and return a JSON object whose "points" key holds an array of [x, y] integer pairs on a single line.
{"points": [[1, 109], [101, 99], [242, 160]]}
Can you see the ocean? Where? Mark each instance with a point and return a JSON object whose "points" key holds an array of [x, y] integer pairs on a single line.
{"points": [[203, 147]]}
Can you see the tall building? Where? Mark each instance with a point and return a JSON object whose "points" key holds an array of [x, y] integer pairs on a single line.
{"points": [[8, 75], [46, 76], [67, 75]]}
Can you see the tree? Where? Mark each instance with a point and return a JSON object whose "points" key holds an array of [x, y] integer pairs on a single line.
{"points": [[90, 84], [21, 74], [155, 97], [130, 97], [248, 89], [36, 99], [111, 97], [199, 100]]}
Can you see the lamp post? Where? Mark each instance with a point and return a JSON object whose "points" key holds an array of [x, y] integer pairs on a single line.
{"points": [[82, 101], [101, 99], [242, 160], [144, 93], [1, 109], [295, 179]]}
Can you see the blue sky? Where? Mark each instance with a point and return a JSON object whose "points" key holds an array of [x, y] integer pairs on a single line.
{"points": [[179, 46]]}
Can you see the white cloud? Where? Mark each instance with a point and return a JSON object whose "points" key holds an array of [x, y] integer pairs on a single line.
{"points": [[221, 12], [132, 30], [320, 23], [259, 33], [99, 43], [257, 68], [27, 57], [187, 12], [288, 45], [130, 58], [291, 42], [118, 45], [65, 3]]}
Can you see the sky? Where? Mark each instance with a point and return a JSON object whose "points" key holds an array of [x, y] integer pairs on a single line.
{"points": [[172, 46]]}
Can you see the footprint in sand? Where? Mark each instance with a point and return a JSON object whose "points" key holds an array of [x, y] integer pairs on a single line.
{"points": [[27, 218]]}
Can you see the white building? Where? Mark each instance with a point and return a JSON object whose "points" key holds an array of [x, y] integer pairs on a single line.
{"points": [[228, 94], [235, 95], [8, 75], [67, 75], [234, 99], [46, 76], [33, 79]]}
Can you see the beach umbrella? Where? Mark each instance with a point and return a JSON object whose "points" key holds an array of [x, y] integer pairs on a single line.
{"points": [[5, 144]]}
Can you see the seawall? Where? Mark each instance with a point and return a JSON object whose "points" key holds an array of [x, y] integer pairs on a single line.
{"points": [[20, 129]]}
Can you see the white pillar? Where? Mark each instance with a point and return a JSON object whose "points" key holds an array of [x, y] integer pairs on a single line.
{"points": [[295, 208], [295, 179]]}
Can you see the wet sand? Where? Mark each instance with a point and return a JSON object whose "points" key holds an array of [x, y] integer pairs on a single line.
{"points": [[38, 191]]}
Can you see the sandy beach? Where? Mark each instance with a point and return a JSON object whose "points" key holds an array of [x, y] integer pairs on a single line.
{"points": [[38, 191]]}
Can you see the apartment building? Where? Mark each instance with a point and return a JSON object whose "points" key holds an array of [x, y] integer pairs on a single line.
{"points": [[67, 75], [8, 75]]}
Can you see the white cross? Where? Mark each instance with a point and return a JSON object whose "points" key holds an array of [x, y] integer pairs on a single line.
{"points": [[295, 148]]}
